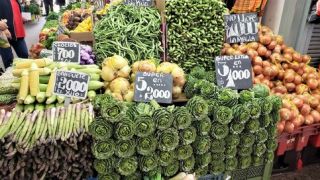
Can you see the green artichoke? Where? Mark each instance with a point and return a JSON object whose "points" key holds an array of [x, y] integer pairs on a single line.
{"points": [[127, 166], [131, 112], [218, 145], [184, 152], [217, 167], [228, 97], [147, 145], [109, 176], [231, 151], [272, 131], [247, 140], [187, 165], [236, 127], [189, 88], [244, 162], [166, 157], [125, 148], [271, 145], [266, 105], [181, 118], [257, 161], [145, 126], [212, 105], [211, 76], [188, 135], [101, 130], [252, 125], [245, 151], [260, 90], [255, 108], [124, 130], [218, 156], [135, 176], [203, 160], [241, 113], [168, 139], [148, 163], [198, 72], [231, 164], [201, 171], [163, 118], [275, 117], [223, 115], [246, 96], [104, 166], [265, 120], [276, 102], [232, 140], [103, 149], [102, 99], [219, 131], [261, 135], [259, 149], [198, 107], [269, 156], [114, 111], [208, 90], [171, 169], [204, 126], [202, 144]]}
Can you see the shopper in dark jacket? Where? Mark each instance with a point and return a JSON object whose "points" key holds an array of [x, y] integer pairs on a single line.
{"points": [[11, 13], [48, 5]]}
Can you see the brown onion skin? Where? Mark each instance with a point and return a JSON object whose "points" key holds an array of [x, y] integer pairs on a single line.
{"points": [[305, 109], [309, 119], [280, 127], [312, 83], [316, 115], [285, 114], [289, 127]]}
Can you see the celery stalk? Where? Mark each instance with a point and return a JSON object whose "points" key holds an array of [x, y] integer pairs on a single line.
{"points": [[55, 122], [76, 129]]}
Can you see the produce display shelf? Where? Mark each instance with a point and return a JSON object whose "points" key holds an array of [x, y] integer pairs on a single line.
{"points": [[298, 139]]}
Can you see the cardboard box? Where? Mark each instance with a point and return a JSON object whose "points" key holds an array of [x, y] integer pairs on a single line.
{"points": [[82, 36]]}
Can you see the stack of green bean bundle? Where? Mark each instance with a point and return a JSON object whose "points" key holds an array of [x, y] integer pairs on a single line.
{"points": [[195, 31], [130, 31]]}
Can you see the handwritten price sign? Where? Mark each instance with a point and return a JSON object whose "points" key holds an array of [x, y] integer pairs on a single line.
{"points": [[153, 86], [234, 71], [66, 52]]}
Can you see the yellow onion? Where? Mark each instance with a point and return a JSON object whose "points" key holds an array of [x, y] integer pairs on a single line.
{"points": [[124, 72], [119, 85], [176, 91], [107, 73], [129, 96]]}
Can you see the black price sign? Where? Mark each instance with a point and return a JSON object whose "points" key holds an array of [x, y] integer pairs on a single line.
{"points": [[234, 72], [66, 52], [153, 86], [71, 84], [241, 28], [139, 2]]}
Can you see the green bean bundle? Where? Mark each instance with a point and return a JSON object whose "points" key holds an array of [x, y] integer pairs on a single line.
{"points": [[130, 31]]}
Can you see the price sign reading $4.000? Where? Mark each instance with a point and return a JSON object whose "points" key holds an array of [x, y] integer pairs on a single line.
{"points": [[66, 52], [153, 86], [71, 84], [234, 72]]}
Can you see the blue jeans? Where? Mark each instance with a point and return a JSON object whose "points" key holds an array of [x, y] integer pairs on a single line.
{"points": [[19, 46]]}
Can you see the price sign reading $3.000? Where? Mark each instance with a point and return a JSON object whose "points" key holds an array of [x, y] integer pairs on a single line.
{"points": [[153, 86], [71, 84], [66, 52], [234, 72]]}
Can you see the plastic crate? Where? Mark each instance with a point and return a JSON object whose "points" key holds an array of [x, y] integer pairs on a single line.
{"points": [[296, 140], [314, 139], [253, 173], [212, 177]]}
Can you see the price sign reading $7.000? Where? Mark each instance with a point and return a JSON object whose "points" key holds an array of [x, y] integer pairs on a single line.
{"points": [[153, 86], [66, 52], [234, 71]]}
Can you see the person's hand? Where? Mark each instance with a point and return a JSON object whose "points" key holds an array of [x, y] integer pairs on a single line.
{"points": [[7, 33], [3, 26]]}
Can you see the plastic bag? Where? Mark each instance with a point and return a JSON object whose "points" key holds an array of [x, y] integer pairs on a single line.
{"points": [[4, 43]]}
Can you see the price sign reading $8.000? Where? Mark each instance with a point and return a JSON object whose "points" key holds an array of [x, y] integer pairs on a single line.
{"points": [[234, 72], [66, 52], [71, 84], [153, 86]]}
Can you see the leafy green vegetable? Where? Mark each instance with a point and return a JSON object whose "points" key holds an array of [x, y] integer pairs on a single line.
{"points": [[163, 118], [148, 163], [124, 130], [227, 97], [104, 166], [232, 140], [166, 157], [171, 169], [241, 113], [212, 105], [198, 107], [204, 126], [188, 135], [147, 145], [198, 72], [181, 118], [218, 145], [219, 131], [101, 130], [218, 156], [202, 144], [266, 105], [168, 139], [187, 165], [244, 162], [236, 127], [145, 125], [113, 111], [184, 152], [262, 135], [272, 131], [271, 145], [265, 120], [245, 151], [260, 90], [269, 156], [125, 148], [223, 115], [253, 125], [259, 149], [276, 102], [247, 140], [255, 108], [257, 161], [246, 96], [127, 166], [203, 160], [231, 151], [201, 171], [110, 176], [217, 167], [103, 149], [231, 164], [209, 90]]}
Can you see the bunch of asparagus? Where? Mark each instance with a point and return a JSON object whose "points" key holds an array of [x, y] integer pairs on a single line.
{"points": [[39, 124]]}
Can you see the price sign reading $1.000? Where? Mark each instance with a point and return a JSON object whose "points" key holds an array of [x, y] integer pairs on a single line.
{"points": [[234, 72], [153, 86], [71, 84], [66, 52]]}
